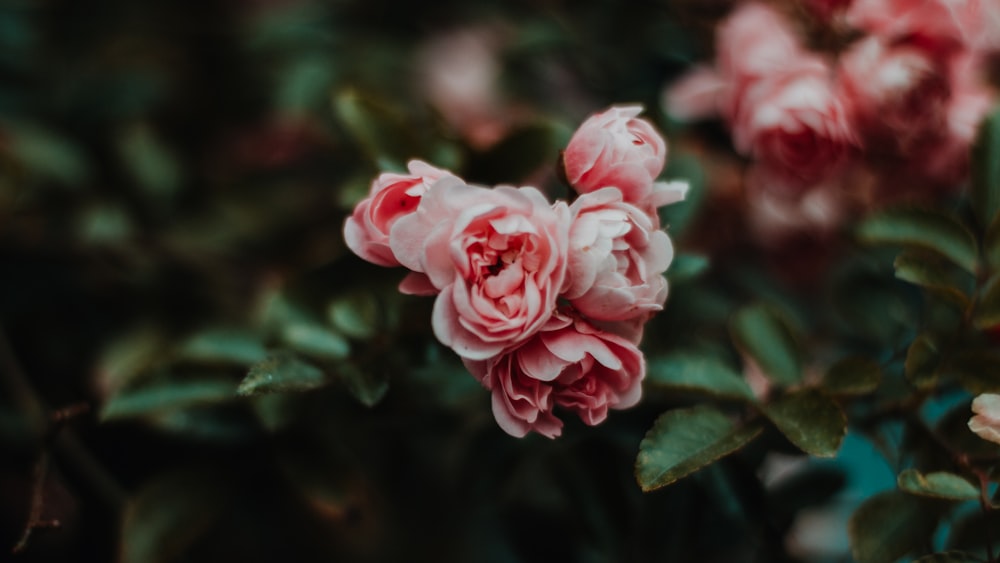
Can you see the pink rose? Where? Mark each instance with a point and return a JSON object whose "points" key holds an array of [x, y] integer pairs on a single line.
{"points": [[615, 148], [795, 127], [898, 93], [498, 257], [571, 365], [617, 257], [986, 422], [755, 42], [391, 197], [934, 24]]}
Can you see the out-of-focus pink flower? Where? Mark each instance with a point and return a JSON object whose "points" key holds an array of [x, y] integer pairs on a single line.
{"points": [[898, 93], [391, 196], [615, 148], [755, 42], [944, 159], [617, 257], [986, 422], [795, 127], [459, 73], [498, 257], [933, 24], [696, 95], [828, 10], [570, 365]]}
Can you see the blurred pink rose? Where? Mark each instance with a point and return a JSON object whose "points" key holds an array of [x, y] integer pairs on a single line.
{"points": [[615, 148], [986, 422], [391, 196], [617, 257], [571, 365], [898, 93], [945, 157], [795, 127], [934, 24], [498, 257], [755, 42]]}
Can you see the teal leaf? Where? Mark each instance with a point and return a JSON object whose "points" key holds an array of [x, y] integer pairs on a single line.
{"points": [[686, 267], [355, 314], [683, 441], [163, 397], [939, 484], [891, 524], [930, 230], [703, 374], [763, 335], [223, 346], [316, 340], [810, 419], [281, 372], [852, 376]]}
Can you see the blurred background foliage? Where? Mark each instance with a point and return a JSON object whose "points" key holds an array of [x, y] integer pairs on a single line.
{"points": [[193, 367]]}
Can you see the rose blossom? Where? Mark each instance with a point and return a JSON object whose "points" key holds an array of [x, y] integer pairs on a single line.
{"points": [[931, 23], [617, 257], [497, 256], [571, 365], [986, 422], [391, 197], [615, 148], [795, 127], [898, 93]]}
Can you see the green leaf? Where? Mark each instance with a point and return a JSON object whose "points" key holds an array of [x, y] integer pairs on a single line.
{"points": [[933, 273], [950, 557], [314, 339], [939, 484], [922, 228], [852, 376], [355, 314], [985, 170], [987, 313], [151, 164], [891, 524], [683, 441], [224, 346], [810, 419], [46, 154], [922, 360], [763, 335], [376, 127], [686, 267], [366, 385], [691, 372], [163, 397], [281, 372], [171, 512]]}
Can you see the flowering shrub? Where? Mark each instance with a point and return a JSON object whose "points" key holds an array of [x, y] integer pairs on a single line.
{"points": [[501, 260], [358, 281]]}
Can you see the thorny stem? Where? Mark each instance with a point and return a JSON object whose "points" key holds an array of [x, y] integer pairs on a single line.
{"points": [[65, 443]]}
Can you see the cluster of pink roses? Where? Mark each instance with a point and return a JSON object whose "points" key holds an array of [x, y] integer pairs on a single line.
{"points": [[900, 87], [545, 303]]}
